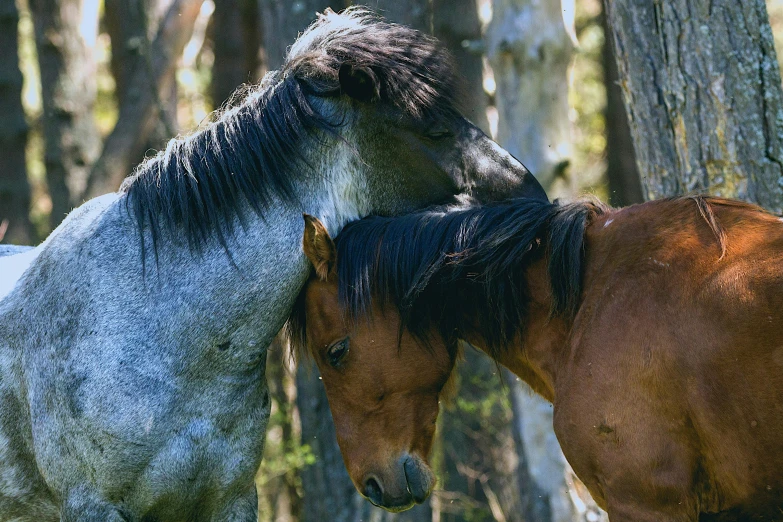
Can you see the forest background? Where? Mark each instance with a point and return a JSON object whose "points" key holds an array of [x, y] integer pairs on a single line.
{"points": [[88, 88]]}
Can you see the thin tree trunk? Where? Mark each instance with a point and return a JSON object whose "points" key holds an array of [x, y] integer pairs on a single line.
{"points": [[127, 26], [530, 51], [476, 450], [479, 458], [281, 493], [68, 91], [283, 20], [456, 24], [534, 499], [329, 493], [625, 185], [413, 13], [14, 188], [702, 88], [237, 46], [479, 455], [137, 116], [132, 25]]}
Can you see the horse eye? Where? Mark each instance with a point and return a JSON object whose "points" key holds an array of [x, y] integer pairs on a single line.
{"points": [[337, 351], [439, 132]]}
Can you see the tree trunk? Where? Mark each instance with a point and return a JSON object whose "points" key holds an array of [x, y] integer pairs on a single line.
{"points": [[530, 51], [479, 458], [283, 20], [127, 27], [625, 186], [280, 493], [328, 492], [137, 116], [702, 88], [132, 25], [237, 47], [475, 449], [413, 13], [456, 24], [68, 90], [14, 188]]}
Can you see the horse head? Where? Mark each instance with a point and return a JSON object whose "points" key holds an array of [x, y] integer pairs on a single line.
{"points": [[383, 388], [393, 91]]}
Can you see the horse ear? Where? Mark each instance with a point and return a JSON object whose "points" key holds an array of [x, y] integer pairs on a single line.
{"points": [[318, 246], [359, 83]]}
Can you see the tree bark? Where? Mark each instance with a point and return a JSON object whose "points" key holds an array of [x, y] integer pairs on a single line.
{"points": [[132, 26], [137, 115], [625, 185], [702, 88], [236, 40], [530, 51], [456, 24], [68, 90], [14, 187], [127, 27]]}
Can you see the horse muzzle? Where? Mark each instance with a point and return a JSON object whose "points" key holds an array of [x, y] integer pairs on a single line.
{"points": [[409, 482]]}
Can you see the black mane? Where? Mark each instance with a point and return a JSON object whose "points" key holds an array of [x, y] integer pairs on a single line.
{"points": [[252, 150], [448, 271]]}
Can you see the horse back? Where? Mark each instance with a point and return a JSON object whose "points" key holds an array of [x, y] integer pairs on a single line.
{"points": [[10, 250]]}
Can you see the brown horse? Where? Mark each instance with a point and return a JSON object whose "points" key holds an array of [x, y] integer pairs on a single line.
{"points": [[656, 331]]}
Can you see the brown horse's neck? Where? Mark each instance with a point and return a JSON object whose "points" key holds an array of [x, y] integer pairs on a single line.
{"points": [[535, 356]]}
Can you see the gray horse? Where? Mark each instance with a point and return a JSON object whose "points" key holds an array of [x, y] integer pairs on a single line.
{"points": [[133, 340]]}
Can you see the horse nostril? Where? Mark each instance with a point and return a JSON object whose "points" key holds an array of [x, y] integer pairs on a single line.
{"points": [[373, 491], [418, 477]]}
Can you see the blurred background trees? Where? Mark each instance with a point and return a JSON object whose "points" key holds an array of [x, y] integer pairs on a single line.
{"points": [[88, 88]]}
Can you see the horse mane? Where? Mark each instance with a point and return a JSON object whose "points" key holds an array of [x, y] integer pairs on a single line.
{"points": [[251, 150], [703, 204], [450, 270]]}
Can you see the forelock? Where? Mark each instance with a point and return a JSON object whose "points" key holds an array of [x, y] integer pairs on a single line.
{"points": [[414, 72]]}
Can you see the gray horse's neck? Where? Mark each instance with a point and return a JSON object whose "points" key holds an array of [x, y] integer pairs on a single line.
{"points": [[239, 296]]}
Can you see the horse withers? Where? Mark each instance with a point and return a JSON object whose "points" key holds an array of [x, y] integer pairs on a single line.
{"points": [[133, 340], [654, 330]]}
